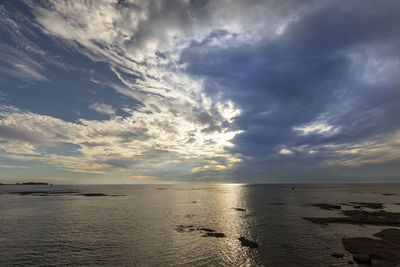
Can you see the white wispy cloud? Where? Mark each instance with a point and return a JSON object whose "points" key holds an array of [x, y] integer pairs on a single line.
{"points": [[142, 45], [103, 108], [318, 127], [29, 72], [383, 150], [21, 58], [13, 166]]}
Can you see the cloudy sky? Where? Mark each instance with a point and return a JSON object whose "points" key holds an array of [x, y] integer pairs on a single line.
{"points": [[142, 91]]}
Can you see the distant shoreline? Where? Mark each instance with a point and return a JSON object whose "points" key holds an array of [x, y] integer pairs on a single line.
{"points": [[28, 183]]}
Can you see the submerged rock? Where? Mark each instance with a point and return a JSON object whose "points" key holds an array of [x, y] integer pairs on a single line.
{"points": [[31, 193], [371, 205], [362, 258], [190, 228], [93, 194], [98, 195], [326, 206], [337, 255], [239, 209], [207, 232], [205, 229], [217, 235], [385, 250], [184, 228], [247, 243], [44, 193], [381, 217]]}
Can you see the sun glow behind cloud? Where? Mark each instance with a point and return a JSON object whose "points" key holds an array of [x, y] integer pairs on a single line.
{"points": [[197, 90], [174, 116]]}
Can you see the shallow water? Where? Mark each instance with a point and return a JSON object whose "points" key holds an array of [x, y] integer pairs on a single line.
{"points": [[140, 227]]}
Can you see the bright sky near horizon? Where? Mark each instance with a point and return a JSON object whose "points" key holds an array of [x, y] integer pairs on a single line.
{"points": [[143, 91]]}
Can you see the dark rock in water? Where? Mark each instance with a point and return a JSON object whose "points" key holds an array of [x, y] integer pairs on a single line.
{"points": [[29, 183], [350, 262], [370, 205], [239, 209], [391, 235], [161, 188], [386, 250], [362, 259], [277, 203], [182, 228], [217, 235], [193, 202], [190, 228], [337, 255], [381, 217], [32, 183], [326, 206], [43, 193], [247, 243], [58, 193], [31, 192], [93, 195], [388, 194], [205, 229], [97, 195]]}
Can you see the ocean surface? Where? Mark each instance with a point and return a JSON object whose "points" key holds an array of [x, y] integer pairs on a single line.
{"points": [[157, 225]]}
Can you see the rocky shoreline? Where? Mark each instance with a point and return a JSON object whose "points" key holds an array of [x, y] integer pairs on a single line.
{"points": [[384, 250], [58, 193]]}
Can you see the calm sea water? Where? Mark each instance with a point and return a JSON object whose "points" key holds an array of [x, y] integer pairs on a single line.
{"points": [[139, 228]]}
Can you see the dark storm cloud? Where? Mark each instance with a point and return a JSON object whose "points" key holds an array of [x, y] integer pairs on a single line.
{"points": [[308, 73]]}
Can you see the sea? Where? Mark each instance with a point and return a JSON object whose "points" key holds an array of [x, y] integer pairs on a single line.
{"points": [[167, 225]]}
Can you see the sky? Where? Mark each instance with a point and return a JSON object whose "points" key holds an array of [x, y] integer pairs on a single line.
{"points": [[175, 91]]}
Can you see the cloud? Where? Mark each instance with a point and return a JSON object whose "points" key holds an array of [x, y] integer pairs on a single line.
{"points": [[285, 151], [261, 89], [103, 108], [141, 45], [140, 177], [20, 57], [317, 128], [329, 83], [115, 144], [13, 166], [29, 73]]}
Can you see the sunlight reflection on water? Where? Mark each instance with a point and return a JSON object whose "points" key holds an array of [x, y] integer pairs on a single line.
{"points": [[148, 226]]}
